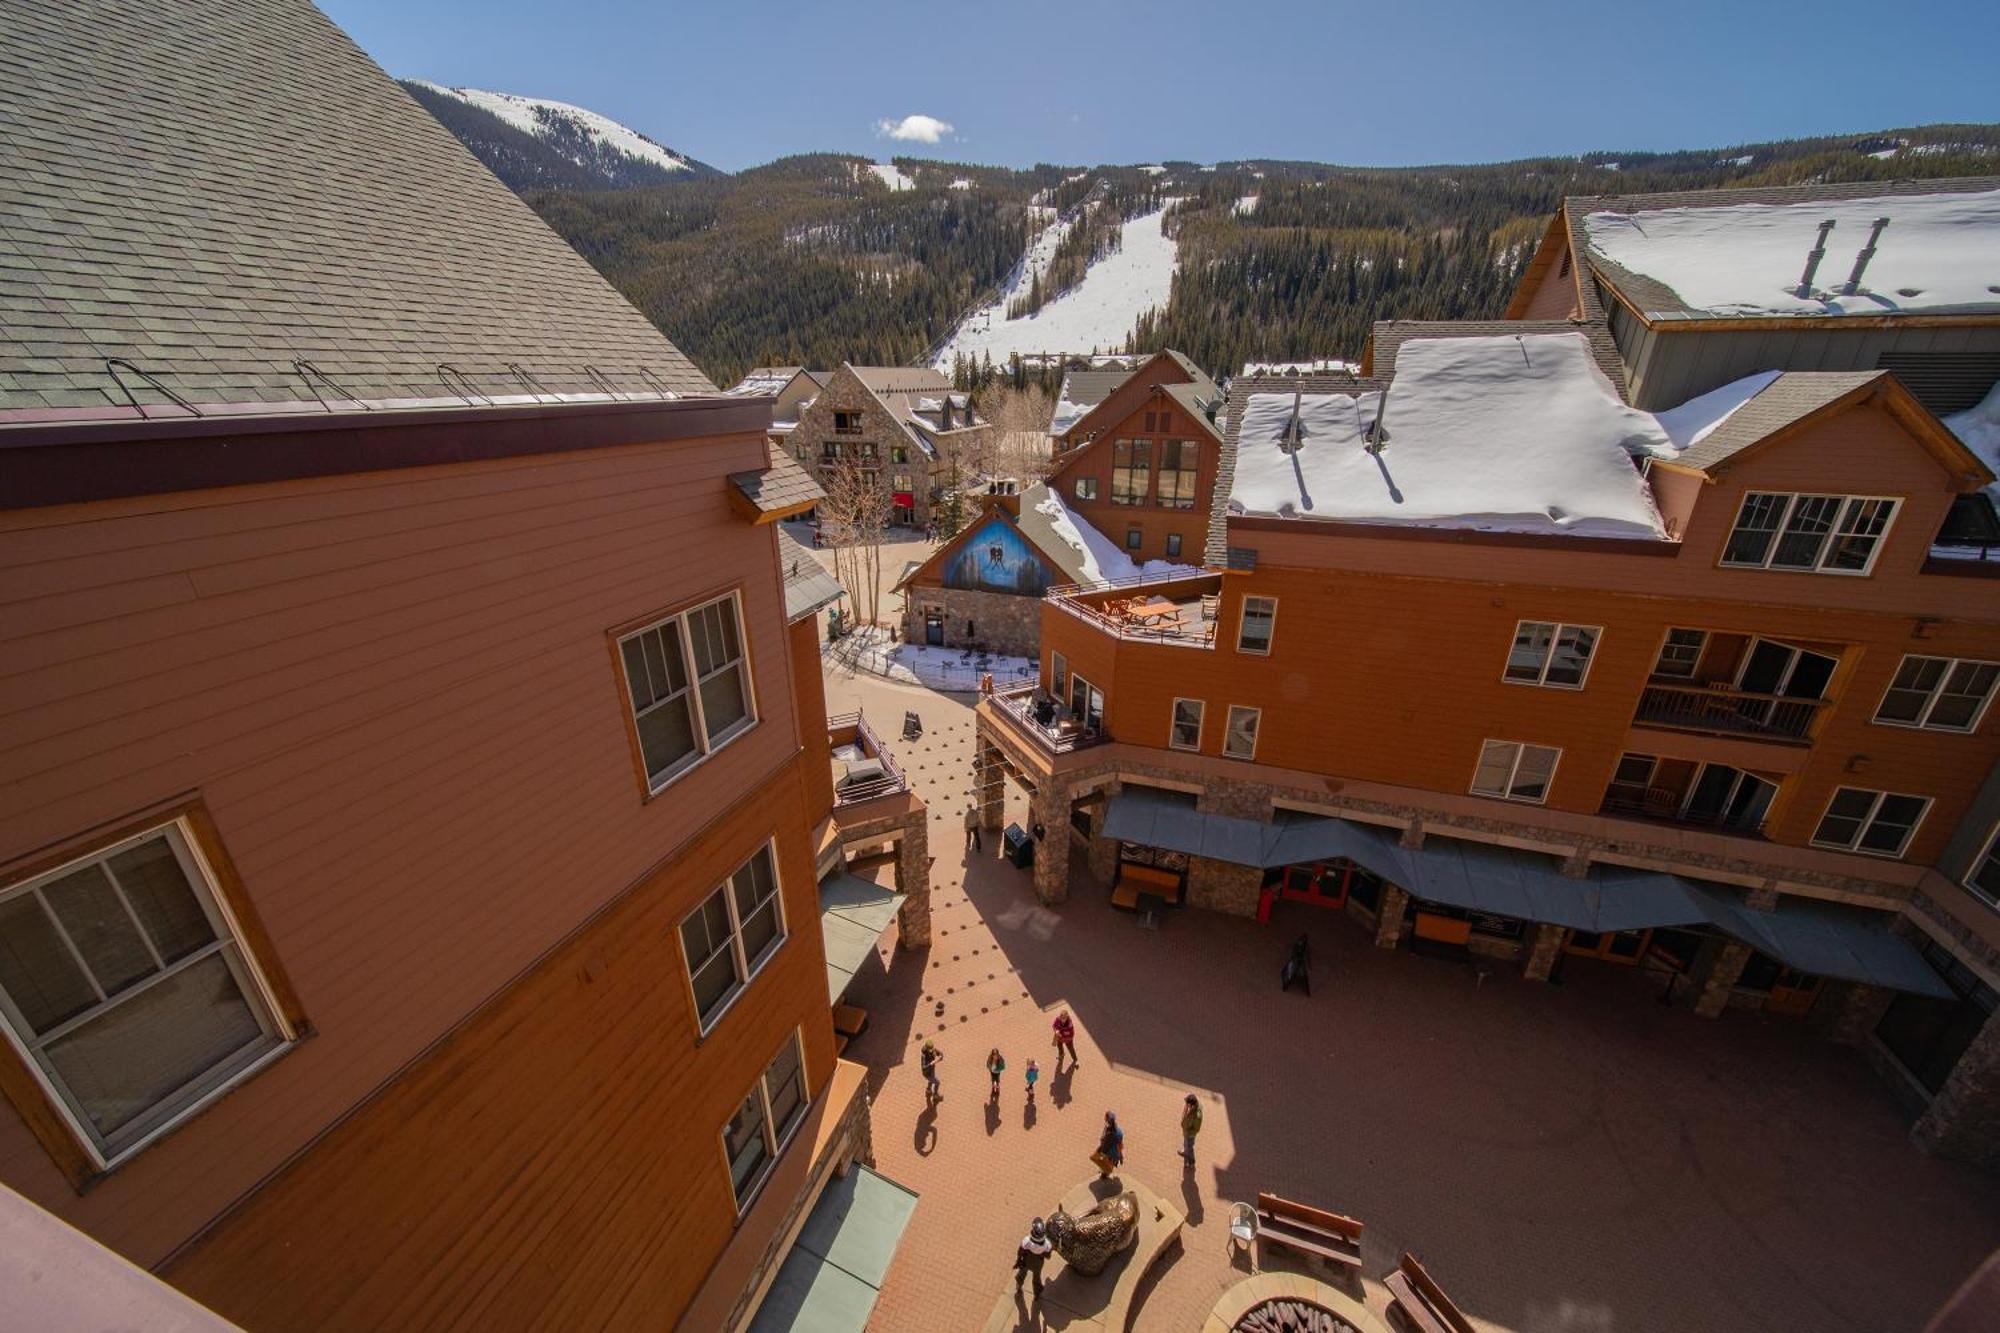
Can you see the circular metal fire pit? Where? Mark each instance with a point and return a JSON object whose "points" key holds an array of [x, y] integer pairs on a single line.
{"points": [[1290, 1314]]}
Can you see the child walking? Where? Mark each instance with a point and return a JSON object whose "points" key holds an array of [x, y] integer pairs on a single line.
{"points": [[996, 1064], [1034, 1072]]}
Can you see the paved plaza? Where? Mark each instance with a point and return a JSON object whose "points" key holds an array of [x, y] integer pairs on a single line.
{"points": [[1563, 1158]]}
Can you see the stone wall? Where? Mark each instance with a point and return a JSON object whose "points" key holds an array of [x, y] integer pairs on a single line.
{"points": [[1005, 623]]}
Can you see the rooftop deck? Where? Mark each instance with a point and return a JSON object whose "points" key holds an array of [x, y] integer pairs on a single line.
{"points": [[871, 770], [1178, 609]]}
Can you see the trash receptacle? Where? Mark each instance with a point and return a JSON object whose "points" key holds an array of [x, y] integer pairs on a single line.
{"points": [[1020, 848]]}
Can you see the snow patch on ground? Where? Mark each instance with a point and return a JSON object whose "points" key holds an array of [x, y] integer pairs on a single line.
{"points": [[529, 114], [1500, 434], [869, 648], [961, 184], [1097, 313], [1102, 558], [1325, 366], [1745, 259], [1247, 204], [891, 175], [1154, 169]]}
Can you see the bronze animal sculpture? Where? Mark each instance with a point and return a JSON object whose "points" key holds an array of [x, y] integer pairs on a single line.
{"points": [[1087, 1243]]}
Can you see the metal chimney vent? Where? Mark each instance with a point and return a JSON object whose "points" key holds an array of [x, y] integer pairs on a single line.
{"points": [[1853, 283], [1293, 438], [1817, 253]]}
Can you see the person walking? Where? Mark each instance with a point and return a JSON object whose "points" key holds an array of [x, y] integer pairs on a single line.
{"points": [[1110, 1154], [1065, 1030], [1033, 1072], [1190, 1126], [996, 1065], [1297, 968], [927, 1060], [1028, 1259], [972, 828]]}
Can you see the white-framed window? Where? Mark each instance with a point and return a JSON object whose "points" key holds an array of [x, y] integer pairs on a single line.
{"points": [[1515, 771], [765, 1121], [688, 678], [126, 988], [1879, 823], [1186, 731], [1086, 488], [1546, 653], [1827, 534], [1680, 653], [1260, 622], [1983, 878], [1938, 693], [727, 939], [1239, 741]]}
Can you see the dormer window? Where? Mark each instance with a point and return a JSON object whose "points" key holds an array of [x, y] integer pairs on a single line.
{"points": [[1824, 534]]}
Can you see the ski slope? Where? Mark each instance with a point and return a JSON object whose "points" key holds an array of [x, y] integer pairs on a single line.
{"points": [[1095, 315]]}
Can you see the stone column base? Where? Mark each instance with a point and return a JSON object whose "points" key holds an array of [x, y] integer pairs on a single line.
{"points": [[1543, 949], [1389, 922]]}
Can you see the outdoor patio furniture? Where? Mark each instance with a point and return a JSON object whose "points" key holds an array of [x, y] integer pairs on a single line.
{"points": [[1420, 1302], [1243, 1227], [1309, 1230], [913, 726]]}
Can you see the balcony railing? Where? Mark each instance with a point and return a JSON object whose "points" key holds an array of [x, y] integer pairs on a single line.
{"points": [[1034, 715], [1665, 806], [887, 783], [1727, 712], [1179, 609]]}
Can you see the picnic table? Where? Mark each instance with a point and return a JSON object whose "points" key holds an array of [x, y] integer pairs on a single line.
{"points": [[1156, 612]]}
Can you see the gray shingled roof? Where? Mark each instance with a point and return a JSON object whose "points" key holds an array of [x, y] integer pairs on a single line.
{"points": [[213, 191], [808, 586], [1088, 388], [1791, 397], [903, 379], [1389, 335], [781, 486], [1041, 534], [1656, 297]]}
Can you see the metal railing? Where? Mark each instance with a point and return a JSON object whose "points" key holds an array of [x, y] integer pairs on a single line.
{"points": [[891, 779], [1200, 634], [933, 669], [1039, 718], [1664, 805], [1727, 712]]}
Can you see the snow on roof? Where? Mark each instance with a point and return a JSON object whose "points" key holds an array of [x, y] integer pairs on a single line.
{"points": [[1500, 434], [1979, 428], [1696, 419], [1940, 252], [532, 115], [1101, 558], [1323, 366]]}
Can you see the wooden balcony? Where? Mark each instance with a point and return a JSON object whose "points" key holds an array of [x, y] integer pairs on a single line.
{"points": [[1664, 805], [1179, 610], [1721, 711], [873, 773], [1031, 714]]}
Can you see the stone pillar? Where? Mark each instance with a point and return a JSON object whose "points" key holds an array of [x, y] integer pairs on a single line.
{"points": [[1049, 808], [1544, 947], [1963, 1122], [1223, 886], [913, 878], [1413, 834], [1102, 853], [1389, 924], [1716, 970], [989, 785], [1849, 1010]]}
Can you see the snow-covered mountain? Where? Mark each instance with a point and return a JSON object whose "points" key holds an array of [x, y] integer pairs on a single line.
{"points": [[534, 143]]}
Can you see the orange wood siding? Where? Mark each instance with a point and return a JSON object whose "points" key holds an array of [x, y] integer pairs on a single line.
{"points": [[558, 1163], [1155, 522], [1554, 295], [1389, 648], [809, 706], [394, 695]]}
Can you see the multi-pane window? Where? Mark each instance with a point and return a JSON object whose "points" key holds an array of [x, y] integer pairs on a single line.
{"points": [[689, 685], [1180, 465], [1877, 822], [732, 934], [1984, 876], [1681, 653], [1131, 471], [1938, 693], [764, 1121], [847, 423], [1545, 653], [829, 452], [1239, 741], [899, 453], [1186, 734], [1086, 488], [122, 979], [1515, 771], [1260, 619], [1831, 534]]}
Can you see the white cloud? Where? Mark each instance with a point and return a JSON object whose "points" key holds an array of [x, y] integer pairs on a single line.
{"points": [[915, 129]]}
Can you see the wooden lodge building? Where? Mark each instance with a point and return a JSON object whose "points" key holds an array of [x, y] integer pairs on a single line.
{"points": [[1654, 627], [903, 429], [425, 892]]}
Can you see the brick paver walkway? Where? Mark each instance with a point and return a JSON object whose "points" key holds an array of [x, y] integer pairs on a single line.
{"points": [[1573, 1158]]}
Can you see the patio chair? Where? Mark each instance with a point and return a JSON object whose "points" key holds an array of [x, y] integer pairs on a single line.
{"points": [[1243, 1227]]}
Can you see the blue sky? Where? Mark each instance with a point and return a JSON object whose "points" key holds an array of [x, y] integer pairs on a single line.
{"points": [[1088, 82]]}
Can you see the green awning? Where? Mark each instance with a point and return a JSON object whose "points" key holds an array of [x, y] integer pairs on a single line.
{"points": [[853, 913], [830, 1280]]}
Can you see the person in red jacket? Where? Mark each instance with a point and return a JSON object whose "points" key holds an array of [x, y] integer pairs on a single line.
{"points": [[1065, 1029]]}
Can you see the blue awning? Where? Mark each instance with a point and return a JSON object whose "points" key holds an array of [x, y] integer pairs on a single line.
{"points": [[832, 1277], [1827, 940], [1530, 886], [853, 913]]}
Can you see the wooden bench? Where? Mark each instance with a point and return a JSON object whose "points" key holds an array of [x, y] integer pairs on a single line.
{"points": [[1309, 1230], [1420, 1302]]}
